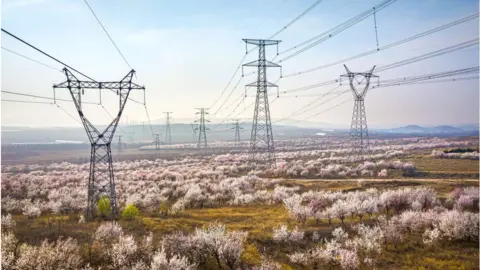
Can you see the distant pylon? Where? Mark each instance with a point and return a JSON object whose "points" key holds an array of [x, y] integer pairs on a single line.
{"points": [[157, 141], [194, 129], [120, 146], [262, 148], [358, 128], [168, 135], [202, 135], [237, 128]]}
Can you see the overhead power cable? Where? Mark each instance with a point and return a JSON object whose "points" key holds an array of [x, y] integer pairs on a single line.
{"points": [[334, 31], [408, 61], [298, 17], [391, 45], [43, 97], [230, 94], [108, 35], [301, 110], [40, 102], [425, 82], [58, 61], [123, 57], [31, 59], [69, 114], [456, 47], [254, 48], [26, 101], [419, 79], [46, 54]]}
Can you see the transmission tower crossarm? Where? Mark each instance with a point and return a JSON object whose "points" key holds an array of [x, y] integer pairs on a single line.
{"points": [[261, 41]]}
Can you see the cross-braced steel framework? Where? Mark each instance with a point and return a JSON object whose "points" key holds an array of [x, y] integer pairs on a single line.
{"points": [[101, 180], [202, 134], [237, 128], [194, 129], [120, 144], [168, 135], [157, 141], [358, 128], [262, 148]]}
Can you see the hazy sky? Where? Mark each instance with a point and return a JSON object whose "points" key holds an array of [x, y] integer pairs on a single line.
{"points": [[185, 52]]}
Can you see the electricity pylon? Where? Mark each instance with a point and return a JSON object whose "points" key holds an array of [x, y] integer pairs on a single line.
{"points": [[194, 129], [101, 180], [262, 148], [157, 141], [202, 135], [120, 146], [358, 128], [168, 135], [237, 128], [131, 136]]}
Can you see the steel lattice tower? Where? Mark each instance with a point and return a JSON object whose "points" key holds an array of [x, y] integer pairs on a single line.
{"points": [[237, 128], [202, 134], [168, 135], [194, 129], [261, 141], [131, 136], [358, 128], [101, 180], [157, 141], [120, 146]]}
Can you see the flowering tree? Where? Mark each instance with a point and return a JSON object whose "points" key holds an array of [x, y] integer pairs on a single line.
{"points": [[160, 261], [282, 234], [8, 250], [123, 252], [431, 237], [295, 208], [62, 254]]}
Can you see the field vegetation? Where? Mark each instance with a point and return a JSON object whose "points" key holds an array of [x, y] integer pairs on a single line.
{"points": [[317, 209]]}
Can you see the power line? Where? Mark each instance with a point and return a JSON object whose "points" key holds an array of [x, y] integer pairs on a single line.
{"points": [[336, 30], [230, 94], [456, 47], [51, 57], [43, 97], [418, 79], [298, 17], [418, 58], [391, 45], [25, 101], [44, 53], [69, 114], [108, 35], [112, 119], [301, 110], [149, 122], [254, 48], [231, 79], [33, 60]]}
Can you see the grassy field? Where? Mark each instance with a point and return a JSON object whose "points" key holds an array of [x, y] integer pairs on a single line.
{"points": [[260, 220]]}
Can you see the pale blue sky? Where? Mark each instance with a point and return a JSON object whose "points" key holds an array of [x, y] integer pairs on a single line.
{"points": [[186, 51]]}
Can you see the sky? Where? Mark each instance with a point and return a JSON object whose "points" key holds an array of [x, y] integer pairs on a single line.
{"points": [[186, 51]]}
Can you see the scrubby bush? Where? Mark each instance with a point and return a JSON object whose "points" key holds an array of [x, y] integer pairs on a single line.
{"points": [[104, 207], [130, 212]]}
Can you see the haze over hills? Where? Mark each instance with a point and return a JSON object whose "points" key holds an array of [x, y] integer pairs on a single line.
{"points": [[183, 133]]}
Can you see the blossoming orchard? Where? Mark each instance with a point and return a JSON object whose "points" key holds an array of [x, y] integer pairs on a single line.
{"points": [[317, 207]]}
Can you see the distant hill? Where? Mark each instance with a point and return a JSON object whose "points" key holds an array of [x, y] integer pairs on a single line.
{"points": [[441, 130]]}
